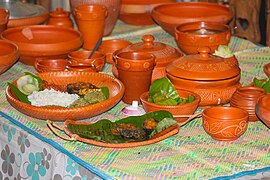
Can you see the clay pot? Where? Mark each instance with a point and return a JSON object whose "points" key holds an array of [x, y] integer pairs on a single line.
{"points": [[266, 69], [91, 21], [59, 17], [168, 16], [135, 71], [183, 109], [164, 54], [108, 47], [9, 54], [47, 65], [4, 15], [138, 12], [263, 109], [214, 78], [225, 123], [190, 36], [80, 58], [82, 67], [113, 8], [246, 98]]}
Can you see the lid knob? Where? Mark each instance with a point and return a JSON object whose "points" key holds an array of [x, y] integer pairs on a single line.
{"points": [[204, 51], [59, 10], [148, 41]]}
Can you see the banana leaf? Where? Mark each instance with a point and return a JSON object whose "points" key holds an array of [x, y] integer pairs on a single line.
{"points": [[262, 83], [102, 130]]}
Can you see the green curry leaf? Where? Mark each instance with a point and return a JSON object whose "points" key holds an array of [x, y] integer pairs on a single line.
{"points": [[22, 97]]}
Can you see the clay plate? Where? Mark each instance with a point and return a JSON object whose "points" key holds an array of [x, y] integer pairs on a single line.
{"points": [[116, 90]]}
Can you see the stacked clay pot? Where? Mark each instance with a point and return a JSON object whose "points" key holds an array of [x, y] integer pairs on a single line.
{"points": [[246, 98]]}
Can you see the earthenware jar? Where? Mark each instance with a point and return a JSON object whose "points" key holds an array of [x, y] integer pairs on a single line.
{"points": [[59, 17], [113, 8], [4, 15], [214, 78], [246, 98], [135, 71], [90, 20]]}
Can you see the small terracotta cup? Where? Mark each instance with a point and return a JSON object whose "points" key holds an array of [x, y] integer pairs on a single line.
{"points": [[82, 67], [246, 98], [59, 17], [90, 20], [45, 65], [4, 17], [135, 71]]}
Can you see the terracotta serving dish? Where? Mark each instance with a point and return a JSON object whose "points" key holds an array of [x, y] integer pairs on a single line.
{"points": [[190, 36], [246, 98], [80, 58], [43, 41], [138, 12], [116, 90], [9, 54], [164, 54], [263, 109], [168, 16], [266, 69], [46, 65], [225, 123], [214, 78], [183, 109]]}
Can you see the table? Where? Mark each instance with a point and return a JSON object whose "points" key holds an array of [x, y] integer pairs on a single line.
{"points": [[30, 150]]}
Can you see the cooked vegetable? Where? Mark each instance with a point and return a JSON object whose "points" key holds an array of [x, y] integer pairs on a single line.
{"points": [[223, 51], [81, 88], [28, 83], [262, 83]]}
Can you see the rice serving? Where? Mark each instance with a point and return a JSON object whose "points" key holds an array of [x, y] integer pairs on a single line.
{"points": [[51, 97]]}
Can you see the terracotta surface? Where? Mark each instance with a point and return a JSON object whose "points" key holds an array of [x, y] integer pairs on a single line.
{"points": [[9, 54], [116, 90], [164, 54], [108, 47], [225, 123], [168, 16], [263, 109], [90, 20], [4, 17], [190, 36], [80, 58], [43, 41], [170, 131], [139, 12], [246, 99], [60, 17], [112, 6], [46, 65], [135, 71], [81, 67], [266, 69], [215, 79], [184, 109]]}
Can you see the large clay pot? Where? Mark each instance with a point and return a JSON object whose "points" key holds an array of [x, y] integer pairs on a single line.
{"points": [[113, 8]]}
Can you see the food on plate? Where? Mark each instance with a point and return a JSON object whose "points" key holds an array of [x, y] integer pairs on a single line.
{"points": [[28, 83], [223, 51], [128, 131], [81, 88], [262, 83]]}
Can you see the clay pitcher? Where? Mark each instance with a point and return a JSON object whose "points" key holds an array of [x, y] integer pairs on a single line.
{"points": [[90, 20], [59, 17], [4, 16], [135, 71]]}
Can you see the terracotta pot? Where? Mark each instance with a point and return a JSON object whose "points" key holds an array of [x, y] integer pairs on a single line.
{"points": [[183, 109], [46, 65], [59, 17], [190, 36], [82, 67], [214, 78], [81, 58], [246, 98], [91, 21], [168, 16], [108, 47], [225, 123], [4, 16], [266, 69], [263, 109], [135, 71], [9, 54], [113, 8]]}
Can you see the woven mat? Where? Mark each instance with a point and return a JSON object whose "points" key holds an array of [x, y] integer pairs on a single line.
{"points": [[191, 154]]}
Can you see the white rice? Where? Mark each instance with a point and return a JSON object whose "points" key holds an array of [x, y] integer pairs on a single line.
{"points": [[52, 97]]}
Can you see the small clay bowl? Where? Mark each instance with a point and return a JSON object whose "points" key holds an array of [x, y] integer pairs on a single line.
{"points": [[82, 67], [266, 69], [108, 47], [183, 109], [81, 56], [46, 65], [190, 36], [225, 123], [263, 109]]}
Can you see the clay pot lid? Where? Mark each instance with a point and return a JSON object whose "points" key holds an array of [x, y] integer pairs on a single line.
{"points": [[164, 53], [59, 12], [203, 66]]}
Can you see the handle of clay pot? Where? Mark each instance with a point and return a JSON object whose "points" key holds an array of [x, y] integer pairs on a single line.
{"points": [[52, 128], [190, 117]]}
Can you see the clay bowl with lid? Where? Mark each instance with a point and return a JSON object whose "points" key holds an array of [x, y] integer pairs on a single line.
{"points": [[214, 78], [163, 53], [190, 36], [246, 98], [43, 41], [169, 15], [181, 109], [9, 54], [263, 109], [225, 123], [266, 69], [47, 65]]}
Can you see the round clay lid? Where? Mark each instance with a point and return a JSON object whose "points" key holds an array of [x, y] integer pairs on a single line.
{"points": [[203, 66], [164, 53]]}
